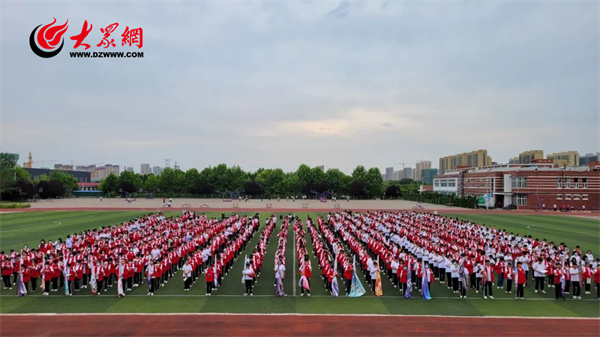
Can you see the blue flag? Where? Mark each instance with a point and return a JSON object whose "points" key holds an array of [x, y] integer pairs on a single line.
{"points": [[335, 291], [425, 289], [357, 288], [408, 284], [425, 284]]}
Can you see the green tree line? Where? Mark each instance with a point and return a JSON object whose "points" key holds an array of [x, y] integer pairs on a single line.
{"points": [[218, 181], [16, 185], [223, 181]]}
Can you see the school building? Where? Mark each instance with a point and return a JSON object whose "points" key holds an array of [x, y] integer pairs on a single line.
{"points": [[532, 186]]}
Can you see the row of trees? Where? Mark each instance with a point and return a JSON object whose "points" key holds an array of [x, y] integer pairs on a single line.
{"points": [[221, 180], [16, 184]]}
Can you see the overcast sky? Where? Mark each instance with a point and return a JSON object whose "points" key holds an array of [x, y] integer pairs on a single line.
{"points": [[280, 83]]}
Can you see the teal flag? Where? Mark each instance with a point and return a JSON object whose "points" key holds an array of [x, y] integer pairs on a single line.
{"points": [[357, 289]]}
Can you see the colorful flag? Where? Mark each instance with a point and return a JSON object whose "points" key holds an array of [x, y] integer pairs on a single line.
{"points": [[66, 275], [408, 283], [335, 291], [516, 280], [425, 285], [378, 290], [304, 283], [120, 291], [44, 272], [357, 289]]}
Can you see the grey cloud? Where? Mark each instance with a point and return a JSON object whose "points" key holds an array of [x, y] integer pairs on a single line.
{"points": [[218, 78]]}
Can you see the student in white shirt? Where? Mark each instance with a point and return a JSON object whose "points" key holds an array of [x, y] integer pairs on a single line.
{"points": [[187, 275], [539, 273], [454, 275], [248, 277], [575, 280]]}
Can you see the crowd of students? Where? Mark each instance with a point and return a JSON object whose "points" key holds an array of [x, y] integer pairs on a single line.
{"points": [[410, 247], [304, 265], [322, 250], [148, 249], [280, 258], [462, 255], [253, 265]]}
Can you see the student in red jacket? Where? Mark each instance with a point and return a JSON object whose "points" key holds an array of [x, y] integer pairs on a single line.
{"points": [[509, 273], [70, 274], [55, 276], [521, 280], [35, 274], [348, 277], [26, 276], [403, 277], [557, 273], [48, 273], [6, 272], [99, 272], [210, 278], [78, 271], [488, 280]]}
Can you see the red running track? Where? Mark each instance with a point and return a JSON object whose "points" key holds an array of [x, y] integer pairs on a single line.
{"points": [[290, 325]]}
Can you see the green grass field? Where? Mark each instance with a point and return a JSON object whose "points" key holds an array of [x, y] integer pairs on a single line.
{"points": [[28, 228]]}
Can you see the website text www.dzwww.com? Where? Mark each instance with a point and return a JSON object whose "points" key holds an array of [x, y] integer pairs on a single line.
{"points": [[106, 54]]}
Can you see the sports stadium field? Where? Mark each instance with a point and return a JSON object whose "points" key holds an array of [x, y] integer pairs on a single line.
{"points": [[17, 229]]}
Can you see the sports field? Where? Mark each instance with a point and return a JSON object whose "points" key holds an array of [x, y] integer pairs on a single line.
{"points": [[18, 229]]}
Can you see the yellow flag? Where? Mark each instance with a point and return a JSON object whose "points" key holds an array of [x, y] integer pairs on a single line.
{"points": [[378, 290]]}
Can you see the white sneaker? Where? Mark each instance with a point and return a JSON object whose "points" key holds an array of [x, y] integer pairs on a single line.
{"points": [[492, 297], [543, 291], [485, 297], [309, 295], [251, 294], [536, 291], [245, 294]]}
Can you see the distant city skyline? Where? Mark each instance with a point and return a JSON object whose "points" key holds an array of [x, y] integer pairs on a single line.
{"points": [[386, 171]]}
